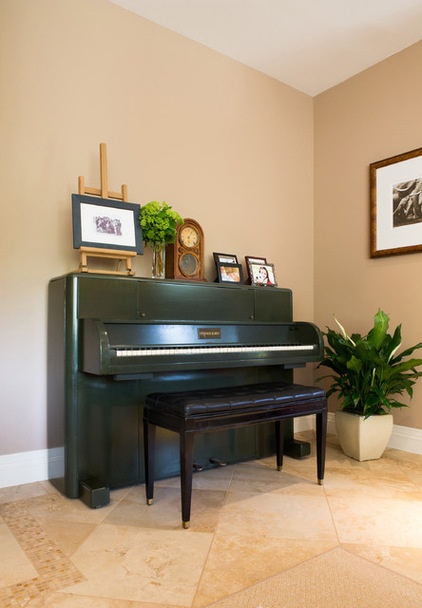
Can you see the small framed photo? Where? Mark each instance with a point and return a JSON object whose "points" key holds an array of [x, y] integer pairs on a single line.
{"points": [[262, 274], [225, 258], [253, 259], [229, 273], [396, 204], [106, 223]]}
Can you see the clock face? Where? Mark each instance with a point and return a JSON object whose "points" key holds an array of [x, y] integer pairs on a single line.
{"points": [[189, 237], [188, 264]]}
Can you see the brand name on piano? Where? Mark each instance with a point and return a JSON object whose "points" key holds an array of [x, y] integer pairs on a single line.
{"points": [[205, 333]]}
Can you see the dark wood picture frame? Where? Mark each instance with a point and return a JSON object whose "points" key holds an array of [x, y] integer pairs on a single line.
{"points": [[396, 204], [106, 224], [262, 274], [253, 259], [230, 273], [225, 258]]}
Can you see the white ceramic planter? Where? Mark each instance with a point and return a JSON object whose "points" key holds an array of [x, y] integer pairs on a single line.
{"points": [[363, 439]]}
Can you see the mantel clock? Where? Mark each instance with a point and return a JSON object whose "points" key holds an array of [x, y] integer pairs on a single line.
{"points": [[185, 257]]}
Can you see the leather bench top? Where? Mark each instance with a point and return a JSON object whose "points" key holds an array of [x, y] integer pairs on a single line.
{"points": [[268, 395]]}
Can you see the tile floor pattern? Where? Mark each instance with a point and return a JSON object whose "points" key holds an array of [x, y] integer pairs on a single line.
{"points": [[249, 522]]}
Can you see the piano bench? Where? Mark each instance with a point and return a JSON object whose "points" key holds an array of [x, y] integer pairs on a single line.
{"points": [[199, 411]]}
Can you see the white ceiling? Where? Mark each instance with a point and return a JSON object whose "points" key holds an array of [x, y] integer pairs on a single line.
{"points": [[310, 45]]}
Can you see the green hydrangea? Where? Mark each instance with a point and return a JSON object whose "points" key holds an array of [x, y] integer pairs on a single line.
{"points": [[159, 223]]}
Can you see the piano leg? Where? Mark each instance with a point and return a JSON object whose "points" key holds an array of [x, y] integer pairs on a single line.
{"points": [[279, 442], [186, 473], [149, 454], [321, 432]]}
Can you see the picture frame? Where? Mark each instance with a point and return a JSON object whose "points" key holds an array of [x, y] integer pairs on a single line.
{"points": [[225, 258], [262, 274], [396, 205], [252, 259], [106, 224], [230, 273]]}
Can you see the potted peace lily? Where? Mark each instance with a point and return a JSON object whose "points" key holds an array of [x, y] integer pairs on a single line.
{"points": [[368, 374], [159, 227]]}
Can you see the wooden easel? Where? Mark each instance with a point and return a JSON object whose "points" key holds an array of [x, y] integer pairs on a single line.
{"points": [[97, 252]]}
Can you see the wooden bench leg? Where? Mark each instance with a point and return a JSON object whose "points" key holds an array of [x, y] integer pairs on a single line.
{"points": [[186, 472], [149, 455], [279, 442], [321, 438]]}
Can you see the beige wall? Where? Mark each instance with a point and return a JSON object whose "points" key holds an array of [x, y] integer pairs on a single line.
{"points": [[372, 116], [215, 139], [219, 141]]}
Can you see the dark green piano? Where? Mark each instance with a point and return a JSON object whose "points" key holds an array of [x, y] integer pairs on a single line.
{"points": [[112, 340]]}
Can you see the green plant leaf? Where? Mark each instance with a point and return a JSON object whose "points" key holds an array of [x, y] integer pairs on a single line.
{"points": [[378, 333], [368, 372]]}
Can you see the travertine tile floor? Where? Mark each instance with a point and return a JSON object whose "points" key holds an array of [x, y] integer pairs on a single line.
{"points": [[248, 522]]}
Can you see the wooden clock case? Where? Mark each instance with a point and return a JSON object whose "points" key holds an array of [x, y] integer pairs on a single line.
{"points": [[186, 262]]}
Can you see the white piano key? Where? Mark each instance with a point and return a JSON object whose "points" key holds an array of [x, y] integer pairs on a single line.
{"points": [[209, 350]]}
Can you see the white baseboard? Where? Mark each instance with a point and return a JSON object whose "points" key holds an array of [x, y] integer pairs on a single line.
{"points": [[403, 438], [40, 465], [407, 439], [27, 467]]}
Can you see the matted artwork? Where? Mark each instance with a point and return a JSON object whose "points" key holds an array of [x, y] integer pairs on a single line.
{"points": [[396, 204], [106, 223]]}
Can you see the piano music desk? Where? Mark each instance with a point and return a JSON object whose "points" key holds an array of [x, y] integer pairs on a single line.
{"points": [[190, 412]]}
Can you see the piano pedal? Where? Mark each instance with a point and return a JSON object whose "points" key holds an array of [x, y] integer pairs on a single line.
{"points": [[197, 467], [218, 462]]}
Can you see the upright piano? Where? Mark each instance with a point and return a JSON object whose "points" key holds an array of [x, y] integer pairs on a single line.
{"points": [[112, 340]]}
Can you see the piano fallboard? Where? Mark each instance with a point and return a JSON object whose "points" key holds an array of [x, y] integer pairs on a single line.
{"points": [[130, 348]]}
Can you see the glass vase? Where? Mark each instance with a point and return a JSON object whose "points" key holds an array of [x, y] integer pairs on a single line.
{"points": [[159, 261]]}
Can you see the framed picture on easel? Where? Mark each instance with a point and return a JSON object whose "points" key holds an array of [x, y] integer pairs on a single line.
{"points": [[106, 224]]}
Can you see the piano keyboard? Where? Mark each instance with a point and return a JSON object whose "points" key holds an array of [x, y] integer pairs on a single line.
{"points": [[210, 350]]}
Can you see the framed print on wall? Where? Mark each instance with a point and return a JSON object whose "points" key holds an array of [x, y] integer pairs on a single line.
{"points": [[396, 204], [106, 224]]}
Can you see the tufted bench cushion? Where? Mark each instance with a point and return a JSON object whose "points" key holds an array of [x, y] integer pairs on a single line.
{"points": [[229, 401], [203, 410]]}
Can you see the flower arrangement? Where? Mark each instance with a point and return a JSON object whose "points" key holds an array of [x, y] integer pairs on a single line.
{"points": [[159, 224]]}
